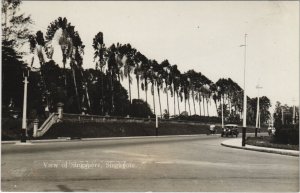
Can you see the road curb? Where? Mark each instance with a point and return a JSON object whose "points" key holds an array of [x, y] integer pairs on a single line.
{"points": [[101, 138], [266, 150]]}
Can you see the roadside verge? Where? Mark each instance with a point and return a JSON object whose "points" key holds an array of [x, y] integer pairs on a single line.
{"points": [[237, 143]]}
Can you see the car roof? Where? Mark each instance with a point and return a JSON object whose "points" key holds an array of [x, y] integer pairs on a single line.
{"points": [[230, 125]]}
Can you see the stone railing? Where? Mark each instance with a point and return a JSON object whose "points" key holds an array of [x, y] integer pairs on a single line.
{"points": [[52, 119]]}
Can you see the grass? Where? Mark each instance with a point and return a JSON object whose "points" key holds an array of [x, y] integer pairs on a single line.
{"points": [[267, 141], [87, 128]]}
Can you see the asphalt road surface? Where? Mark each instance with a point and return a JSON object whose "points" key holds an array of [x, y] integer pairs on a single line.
{"points": [[176, 163]]}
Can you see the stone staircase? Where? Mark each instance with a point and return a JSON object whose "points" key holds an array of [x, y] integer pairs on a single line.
{"points": [[52, 119]]}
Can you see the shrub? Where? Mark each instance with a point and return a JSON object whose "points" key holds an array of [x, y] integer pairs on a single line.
{"points": [[197, 118], [287, 134], [140, 108]]}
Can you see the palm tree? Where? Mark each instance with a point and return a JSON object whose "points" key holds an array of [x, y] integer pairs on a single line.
{"points": [[71, 47], [37, 45], [185, 89], [99, 55], [145, 73], [152, 79], [193, 78], [175, 81], [129, 53], [158, 73], [139, 59], [215, 94], [166, 75]]}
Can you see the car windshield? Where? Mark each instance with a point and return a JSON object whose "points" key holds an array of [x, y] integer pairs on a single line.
{"points": [[230, 127]]}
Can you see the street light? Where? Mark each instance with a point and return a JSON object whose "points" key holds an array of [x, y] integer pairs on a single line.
{"points": [[257, 111], [24, 117], [245, 96]]}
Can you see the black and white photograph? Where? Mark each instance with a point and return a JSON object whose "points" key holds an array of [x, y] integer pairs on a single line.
{"points": [[149, 96]]}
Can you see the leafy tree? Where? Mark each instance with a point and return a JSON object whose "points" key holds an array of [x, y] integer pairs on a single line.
{"points": [[264, 104], [15, 29], [139, 108], [12, 76]]}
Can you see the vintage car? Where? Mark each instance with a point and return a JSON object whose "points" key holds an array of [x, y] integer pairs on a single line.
{"points": [[230, 130]]}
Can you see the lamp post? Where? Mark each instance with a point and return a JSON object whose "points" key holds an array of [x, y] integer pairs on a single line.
{"points": [[257, 125], [24, 117], [221, 109], [294, 112], [245, 96]]}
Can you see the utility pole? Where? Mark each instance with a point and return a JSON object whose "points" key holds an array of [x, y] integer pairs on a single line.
{"points": [[257, 125], [245, 96], [24, 117]]}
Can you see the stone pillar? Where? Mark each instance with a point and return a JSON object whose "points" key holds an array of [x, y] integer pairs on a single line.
{"points": [[60, 110], [35, 127]]}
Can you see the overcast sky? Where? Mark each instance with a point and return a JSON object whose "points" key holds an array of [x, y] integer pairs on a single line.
{"points": [[204, 36]]}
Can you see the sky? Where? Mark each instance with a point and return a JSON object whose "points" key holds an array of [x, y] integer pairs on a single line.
{"points": [[200, 35]]}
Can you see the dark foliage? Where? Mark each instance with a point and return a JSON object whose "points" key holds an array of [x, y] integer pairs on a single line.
{"points": [[140, 108], [198, 118], [12, 76], [287, 134]]}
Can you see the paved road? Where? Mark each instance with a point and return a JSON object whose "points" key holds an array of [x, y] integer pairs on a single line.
{"points": [[190, 163]]}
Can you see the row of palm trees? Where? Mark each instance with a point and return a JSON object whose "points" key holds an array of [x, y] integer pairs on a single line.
{"points": [[120, 61]]}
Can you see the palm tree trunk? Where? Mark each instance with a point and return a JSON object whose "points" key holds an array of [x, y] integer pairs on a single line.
{"points": [[158, 92], [178, 103], [168, 101], [112, 92], [199, 104], [174, 100], [185, 103], [86, 89], [129, 88], [76, 90], [152, 89], [138, 83], [207, 107], [65, 72], [216, 103], [146, 88], [203, 106], [88, 97], [189, 105], [102, 92], [194, 102]]}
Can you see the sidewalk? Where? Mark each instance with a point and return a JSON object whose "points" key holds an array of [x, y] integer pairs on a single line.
{"points": [[237, 143]]}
